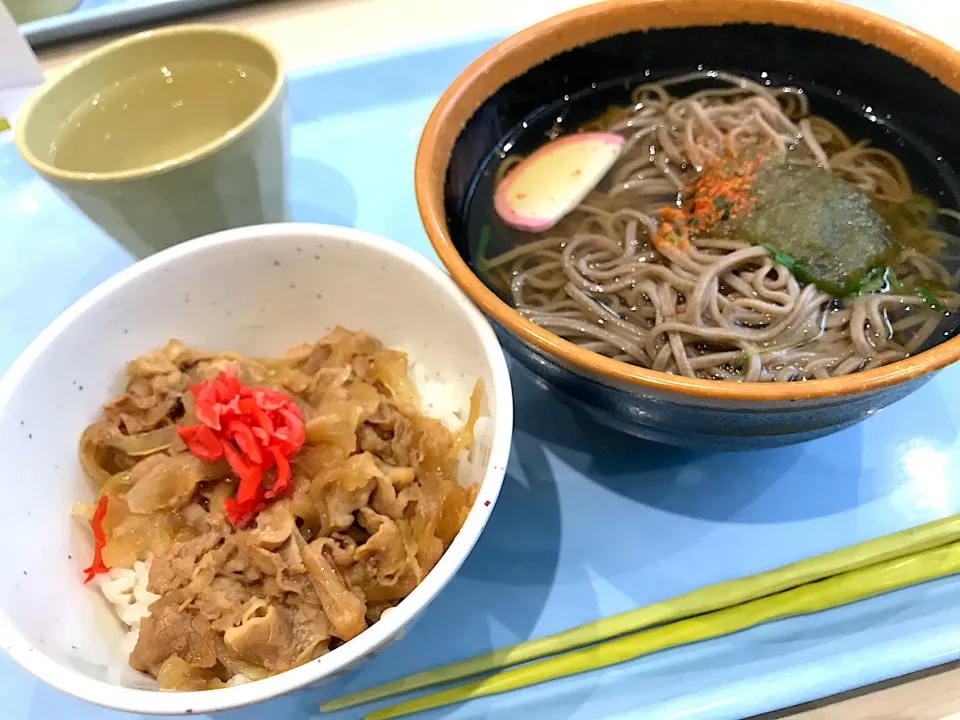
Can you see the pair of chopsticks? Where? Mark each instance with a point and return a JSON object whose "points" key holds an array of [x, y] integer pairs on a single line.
{"points": [[826, 581]]}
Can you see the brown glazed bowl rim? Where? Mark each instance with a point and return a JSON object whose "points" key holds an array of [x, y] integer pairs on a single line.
{"points": [[525, 49]]}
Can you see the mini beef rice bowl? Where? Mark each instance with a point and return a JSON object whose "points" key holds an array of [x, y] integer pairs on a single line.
{"points": [[254, 513]]}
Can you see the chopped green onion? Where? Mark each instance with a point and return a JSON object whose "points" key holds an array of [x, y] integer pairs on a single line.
{"points": [[928, 297], [910, 220], [721, 204], [781, 257], [482, 247], [751, 350], [920, 208], [894, 282], [918, 289], [697, 602], [832, 592], [4, 124], [871, 282]]}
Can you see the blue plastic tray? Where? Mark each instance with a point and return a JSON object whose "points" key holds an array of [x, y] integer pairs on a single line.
{"points": [[589, 523]]}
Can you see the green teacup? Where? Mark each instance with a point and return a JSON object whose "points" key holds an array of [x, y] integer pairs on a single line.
{"points": [[166, 135], [29, 10]]}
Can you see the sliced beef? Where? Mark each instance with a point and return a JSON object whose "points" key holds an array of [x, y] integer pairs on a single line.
{"points": [[384, 568], [372, 489], [345, 611], [169, 631], [174, 569], [274, 525], [137, 414], [221, 602], [264, 637]]}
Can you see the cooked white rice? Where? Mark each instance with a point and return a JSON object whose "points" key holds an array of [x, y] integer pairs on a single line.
{"points": [[126, 589], [439, 399]]}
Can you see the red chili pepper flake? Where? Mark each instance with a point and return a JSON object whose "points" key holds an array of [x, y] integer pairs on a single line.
{"points": [[254, 429], [521, 196], [722, 191], [99, 541], [578, 172]]}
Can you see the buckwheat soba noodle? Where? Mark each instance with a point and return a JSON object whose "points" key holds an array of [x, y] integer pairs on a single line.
{"points": [[739, 236]]}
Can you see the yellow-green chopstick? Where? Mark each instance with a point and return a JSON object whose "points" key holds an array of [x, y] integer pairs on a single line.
{"points": [[4, 124], [829, 593], [702, 600]]}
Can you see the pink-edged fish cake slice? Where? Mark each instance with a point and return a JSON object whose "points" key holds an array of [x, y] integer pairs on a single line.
{"points": [[550, 183]]}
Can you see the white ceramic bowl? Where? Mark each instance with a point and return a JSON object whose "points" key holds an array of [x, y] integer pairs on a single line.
{"points": [[258, 290]]}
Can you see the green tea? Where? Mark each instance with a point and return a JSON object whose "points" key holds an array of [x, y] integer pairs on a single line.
{"points": [[157, 115]]}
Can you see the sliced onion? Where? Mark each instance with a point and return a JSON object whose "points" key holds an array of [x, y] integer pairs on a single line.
{"points": [[464, 439], [391, 369], [335, 423], [178, 675], [145, 443], [92, 442], [84, 511], [118, 484], [189, 410], [170, 483]]}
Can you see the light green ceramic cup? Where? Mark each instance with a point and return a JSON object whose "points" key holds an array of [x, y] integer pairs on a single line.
{"points": [[29, 10], [166, 135]]}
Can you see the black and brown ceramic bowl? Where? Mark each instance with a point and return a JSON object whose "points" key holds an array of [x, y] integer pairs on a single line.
{"points": [[849, 58]]}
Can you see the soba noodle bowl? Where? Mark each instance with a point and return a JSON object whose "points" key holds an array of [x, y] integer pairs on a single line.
{"points": [[720, 307]]}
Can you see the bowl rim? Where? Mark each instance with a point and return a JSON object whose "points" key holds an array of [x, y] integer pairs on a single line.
{"points": [[519, 52], [194, 155], [153, 702]]}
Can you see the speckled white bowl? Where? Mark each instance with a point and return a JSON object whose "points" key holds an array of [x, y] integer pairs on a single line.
{"points": [[258, 290]]}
